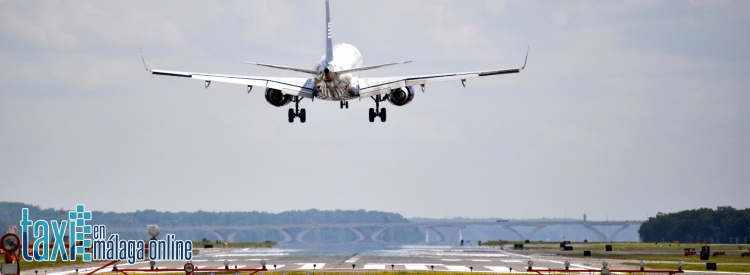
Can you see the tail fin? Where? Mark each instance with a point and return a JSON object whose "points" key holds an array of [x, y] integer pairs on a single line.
{"points": [[329, 34]]}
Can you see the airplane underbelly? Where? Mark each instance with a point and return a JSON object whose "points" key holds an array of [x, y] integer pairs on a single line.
{"points": [[336, 93]]}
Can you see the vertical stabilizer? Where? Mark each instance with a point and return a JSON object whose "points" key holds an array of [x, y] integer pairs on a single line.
{"points": [[329, 34]]}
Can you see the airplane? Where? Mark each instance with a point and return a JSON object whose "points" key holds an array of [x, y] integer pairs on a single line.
{"points": [[335, 77]]}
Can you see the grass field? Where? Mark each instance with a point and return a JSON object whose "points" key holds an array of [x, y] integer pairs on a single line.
{"points": [[697, 267], [628, 246], [663, 257]]}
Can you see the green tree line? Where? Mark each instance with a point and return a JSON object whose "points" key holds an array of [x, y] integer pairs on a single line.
{"points": [[725, 224], [10, 214]]}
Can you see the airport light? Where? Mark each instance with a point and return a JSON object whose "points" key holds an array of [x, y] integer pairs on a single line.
{"points": [[274, 267], [392, 265], [531, 264], [263, 263], [567, 264], [471, 268], [189, 268], [352, 266], [152, 263], [10, 242], [314, 265], [605, 270], [226, 264], [432, 267], [643, 265], [680, 264], [153, 231]]}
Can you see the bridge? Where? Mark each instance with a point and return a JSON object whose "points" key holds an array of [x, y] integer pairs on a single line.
{"points": [[220, 232]]}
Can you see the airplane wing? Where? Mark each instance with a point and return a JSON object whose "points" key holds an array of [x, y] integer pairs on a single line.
{"points": [[302, 87], [382, 85]]}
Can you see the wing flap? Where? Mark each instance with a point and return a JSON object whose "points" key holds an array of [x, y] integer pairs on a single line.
{"points": [[288, 85]]}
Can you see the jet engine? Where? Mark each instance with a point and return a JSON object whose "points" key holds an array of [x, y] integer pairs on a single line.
{"points": [[277, 98], [401, 96]]}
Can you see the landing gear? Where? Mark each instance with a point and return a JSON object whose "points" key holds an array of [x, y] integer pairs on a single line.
{"points": [[297, 112], [375, 112], [344, 104]]}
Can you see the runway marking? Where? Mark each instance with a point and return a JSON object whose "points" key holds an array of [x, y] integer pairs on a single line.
{"points": [[583, 266], [416, 267], [574, 265], [200, 261], [457, 268], [221, 260], [310, 265], [374, 266], [479, 260], [498, 268], [63, 272], [511, 261], [352, 260], [451, 260]]}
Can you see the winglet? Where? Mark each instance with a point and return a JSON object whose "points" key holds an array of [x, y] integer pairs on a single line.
{"points": [[144, 60], [525, 59]]}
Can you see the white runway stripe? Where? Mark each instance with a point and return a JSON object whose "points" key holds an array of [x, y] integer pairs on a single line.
{"points": [[62, 272], [416, 267], [511, 261], [457, 268], [498, 268], [374, 266], [310, 266]]}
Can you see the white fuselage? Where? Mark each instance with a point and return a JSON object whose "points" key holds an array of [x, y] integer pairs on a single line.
{"points": [[339, 87]]}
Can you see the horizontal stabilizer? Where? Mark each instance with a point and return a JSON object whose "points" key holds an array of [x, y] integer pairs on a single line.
{"points": [[284, 68], [370, 67]]}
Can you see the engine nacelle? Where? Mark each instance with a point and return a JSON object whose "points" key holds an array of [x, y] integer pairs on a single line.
{"points": [[401, 96], [277, 98]]}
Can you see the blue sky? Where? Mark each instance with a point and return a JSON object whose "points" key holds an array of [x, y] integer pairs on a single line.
{"points": [[626, 108]]}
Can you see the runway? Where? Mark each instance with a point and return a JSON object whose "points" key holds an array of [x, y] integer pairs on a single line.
{"points": [[363, 259]]}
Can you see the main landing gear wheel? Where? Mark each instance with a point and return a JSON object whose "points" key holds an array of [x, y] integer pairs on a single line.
{"points": [[297, 112], [343, 104], [374, 112]]}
